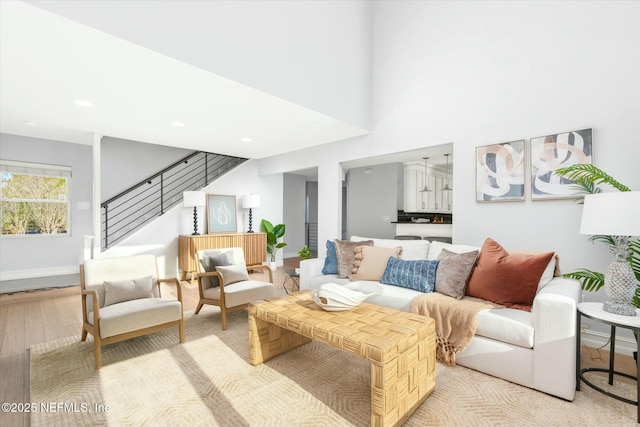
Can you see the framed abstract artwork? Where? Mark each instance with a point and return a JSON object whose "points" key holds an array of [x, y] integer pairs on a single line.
{"points": [[552, 152], [221, 214], [500, 172]]}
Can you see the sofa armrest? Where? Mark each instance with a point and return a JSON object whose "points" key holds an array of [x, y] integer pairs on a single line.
{"points": [[310, 268], [554, 320]]}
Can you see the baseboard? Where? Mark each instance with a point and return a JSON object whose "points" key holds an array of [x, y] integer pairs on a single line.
{"points": [[38, 272], [597, 339]]}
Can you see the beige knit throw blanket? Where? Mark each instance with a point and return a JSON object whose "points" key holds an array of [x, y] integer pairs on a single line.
{"points": [[456, 321]]}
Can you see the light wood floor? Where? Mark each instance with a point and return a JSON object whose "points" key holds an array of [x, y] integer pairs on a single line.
{"points": [[36, 317]]}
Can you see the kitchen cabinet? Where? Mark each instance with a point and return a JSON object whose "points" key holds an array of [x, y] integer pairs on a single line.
{"points": [[418, 201]]}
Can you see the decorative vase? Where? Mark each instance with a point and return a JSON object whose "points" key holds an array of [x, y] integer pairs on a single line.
{"points": [[272, 265]]}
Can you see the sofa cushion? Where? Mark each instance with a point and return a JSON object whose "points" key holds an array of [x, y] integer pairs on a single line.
{"points": [[330, 261], [507, 279], [233, 273], [370, 262], [435, 248], [506, 325], [316, 281], [454, 271], [118, 291], [419, 275], [411, 249], [346, 255]]}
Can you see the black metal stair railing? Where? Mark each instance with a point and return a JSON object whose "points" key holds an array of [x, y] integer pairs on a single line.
{"points": [[149, 199], [312, 235]]}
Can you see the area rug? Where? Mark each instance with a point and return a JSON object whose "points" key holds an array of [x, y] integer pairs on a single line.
{"points": [[155, 381]]}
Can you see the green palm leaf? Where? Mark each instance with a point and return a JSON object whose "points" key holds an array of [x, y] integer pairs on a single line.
{"points": [[585, 175], [590, 280], [634, 257]]}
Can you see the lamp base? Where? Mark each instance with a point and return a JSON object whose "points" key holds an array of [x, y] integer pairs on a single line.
{"points": [[620, 286], [622, 308], [195, 222], [250, 221]]}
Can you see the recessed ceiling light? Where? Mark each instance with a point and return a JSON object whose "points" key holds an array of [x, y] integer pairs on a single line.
{"points": [[29, 123], [82, 103], [246, 140], [178, 124]]}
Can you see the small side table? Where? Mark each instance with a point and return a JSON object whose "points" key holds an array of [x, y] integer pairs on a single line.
{"points": [[294, 276], [594, 310]]}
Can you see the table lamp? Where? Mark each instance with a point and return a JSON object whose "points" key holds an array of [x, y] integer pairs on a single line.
{"points": [[194, 199], [250, 201], [616, 215]]}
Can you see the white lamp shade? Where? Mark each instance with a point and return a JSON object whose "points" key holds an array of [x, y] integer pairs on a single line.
{"points": [[194, 198], [250, 201], [611, 214]]}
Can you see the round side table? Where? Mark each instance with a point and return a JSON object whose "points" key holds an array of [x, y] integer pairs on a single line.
{"points": [[594, 310]]}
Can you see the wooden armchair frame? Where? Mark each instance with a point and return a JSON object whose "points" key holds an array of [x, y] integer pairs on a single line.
{"points": [[221, 302], [94, 330]]}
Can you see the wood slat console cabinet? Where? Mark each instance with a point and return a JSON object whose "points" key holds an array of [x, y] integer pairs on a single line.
{"points": [[253, 244]]}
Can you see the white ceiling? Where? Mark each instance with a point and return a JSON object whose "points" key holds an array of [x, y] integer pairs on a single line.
{"points": [[47, 62]]}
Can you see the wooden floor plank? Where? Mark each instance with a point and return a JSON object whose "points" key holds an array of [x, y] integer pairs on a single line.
{"points": [[14, 335], [3, 322], [12, 391], [33, 324]]}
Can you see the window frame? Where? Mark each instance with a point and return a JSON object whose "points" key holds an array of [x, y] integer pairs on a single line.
{"points": [[42, 170]]}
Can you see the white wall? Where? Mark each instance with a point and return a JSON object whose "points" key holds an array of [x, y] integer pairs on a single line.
{"points": [[160, 238], [38, 256], [121, 165], [477, 73], [314, 53]]}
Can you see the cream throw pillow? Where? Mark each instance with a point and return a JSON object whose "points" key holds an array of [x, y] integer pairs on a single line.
{"points": [[127, 290], [370, 262], [233, 273]]}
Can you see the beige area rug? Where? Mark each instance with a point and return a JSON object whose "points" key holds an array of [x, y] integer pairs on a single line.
{"points": [[155, 381]]}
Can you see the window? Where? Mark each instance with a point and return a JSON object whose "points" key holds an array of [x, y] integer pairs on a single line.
{"points": [[34, 199]]}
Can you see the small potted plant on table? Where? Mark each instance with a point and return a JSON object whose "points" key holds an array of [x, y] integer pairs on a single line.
{"points": [[273, 232]]}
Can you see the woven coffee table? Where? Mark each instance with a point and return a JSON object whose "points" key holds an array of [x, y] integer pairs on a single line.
{"points": [[399, 345]]}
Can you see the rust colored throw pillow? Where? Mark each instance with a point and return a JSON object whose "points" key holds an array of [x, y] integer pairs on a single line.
{"points": [[346, 256], [507, 279], [370, 262]]}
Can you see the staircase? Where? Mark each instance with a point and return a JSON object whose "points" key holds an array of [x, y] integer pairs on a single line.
{"points": [[152, 197]]}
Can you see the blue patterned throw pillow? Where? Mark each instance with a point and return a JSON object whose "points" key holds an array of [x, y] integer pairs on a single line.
{"points": [[419, 275], [331, 260]]}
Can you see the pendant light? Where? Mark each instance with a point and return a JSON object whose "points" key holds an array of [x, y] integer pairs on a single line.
{"points": [[425, 188], [446, 185]]}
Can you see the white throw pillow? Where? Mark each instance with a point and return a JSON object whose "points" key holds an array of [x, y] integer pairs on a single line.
{"points": [[436, 247], [233, 273], [411, 249]]}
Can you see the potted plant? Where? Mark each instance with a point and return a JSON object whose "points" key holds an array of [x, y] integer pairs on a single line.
{"points": [[587, 178], [273, 232], [305, 252]]}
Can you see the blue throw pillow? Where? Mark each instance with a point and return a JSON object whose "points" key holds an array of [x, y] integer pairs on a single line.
{"points": [[419, 275], [331, 261]]}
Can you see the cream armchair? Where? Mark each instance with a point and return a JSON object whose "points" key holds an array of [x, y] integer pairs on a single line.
{"points": [[223, 281], [121, 300]]}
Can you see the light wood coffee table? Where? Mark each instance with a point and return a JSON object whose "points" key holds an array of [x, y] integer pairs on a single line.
{"points": [[399, 345]]}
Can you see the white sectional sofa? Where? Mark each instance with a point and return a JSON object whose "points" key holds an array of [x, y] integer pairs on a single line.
{"points": [[536, 349]]}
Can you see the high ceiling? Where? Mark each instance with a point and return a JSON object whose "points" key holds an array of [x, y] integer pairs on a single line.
{"points": [[48, 62]]}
